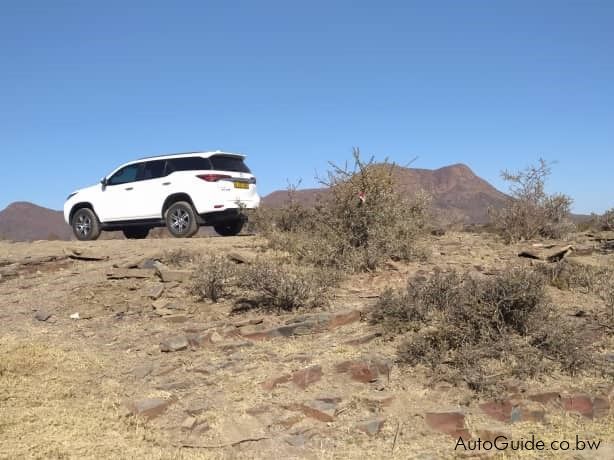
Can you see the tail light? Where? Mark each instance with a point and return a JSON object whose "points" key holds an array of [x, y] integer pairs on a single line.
{"points": [[213, 177]]}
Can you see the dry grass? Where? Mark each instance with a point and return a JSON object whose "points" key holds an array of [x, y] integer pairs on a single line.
{"points": [[53, 406]]}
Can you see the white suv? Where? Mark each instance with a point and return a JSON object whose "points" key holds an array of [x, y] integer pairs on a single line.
{"points": [[181, 191]]}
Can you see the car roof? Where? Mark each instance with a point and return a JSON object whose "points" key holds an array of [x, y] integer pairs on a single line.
{"points": [[191, 154]]}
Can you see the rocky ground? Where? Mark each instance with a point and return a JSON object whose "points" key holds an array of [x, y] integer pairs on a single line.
{"points": [[105, 353]]}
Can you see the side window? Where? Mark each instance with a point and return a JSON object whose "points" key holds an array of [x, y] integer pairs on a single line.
{"points": [[188, 164], [152, 170], [124, 175]]}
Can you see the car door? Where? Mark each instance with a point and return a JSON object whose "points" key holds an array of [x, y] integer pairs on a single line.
{"points": [[118, 198], [150, 190]]}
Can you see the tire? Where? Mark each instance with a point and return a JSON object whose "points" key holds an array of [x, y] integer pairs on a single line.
{"points": [[181, 220], [85, 225], [231, 228], [136, 233]]}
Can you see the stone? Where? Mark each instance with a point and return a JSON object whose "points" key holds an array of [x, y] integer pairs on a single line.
{"points": [[119, 274], [176, 318], [362, 339], [559, 254], [176, 343], [319, 410], [579, 403], [236, 345], [270, 384], [42, 315], [140, 372], [343, 318], [287, 330], [296, 440], [378, 401], [188, 423], [366, 370], [307, 376], [154, 292], [168, 276], [149, 407], [452, 423], [500, 410], [528, 411], [238, 258], [371, 426]]}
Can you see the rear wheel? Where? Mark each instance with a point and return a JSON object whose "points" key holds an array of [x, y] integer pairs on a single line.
{"points": [[181, 220], [85, 225], [136, 233], [231, 228]]}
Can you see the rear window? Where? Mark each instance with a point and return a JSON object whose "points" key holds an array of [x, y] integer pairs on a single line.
{"points": [[225, 163], [188, 164]]}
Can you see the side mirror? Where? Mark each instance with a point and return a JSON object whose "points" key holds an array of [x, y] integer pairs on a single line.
{"points": [[104, 182]]}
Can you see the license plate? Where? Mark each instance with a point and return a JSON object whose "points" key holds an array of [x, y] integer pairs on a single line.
{"points": [[241, 185]]}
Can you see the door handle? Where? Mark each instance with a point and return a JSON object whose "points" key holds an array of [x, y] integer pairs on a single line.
{"points": [[128, 188], [166, 183]]}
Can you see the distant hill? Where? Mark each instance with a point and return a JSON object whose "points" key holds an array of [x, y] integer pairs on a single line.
{"points": [[458, 194], [23, 221]]}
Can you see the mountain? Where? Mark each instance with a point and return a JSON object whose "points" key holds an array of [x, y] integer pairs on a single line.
{"points": [[459, 195], [23, 221]]}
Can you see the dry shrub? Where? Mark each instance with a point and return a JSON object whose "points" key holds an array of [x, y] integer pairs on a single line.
{"points": [[463, 328], [360, 222], [607, 220], [214, 278], [532, 212], [275, 286], [587, 279], [178, 257]]}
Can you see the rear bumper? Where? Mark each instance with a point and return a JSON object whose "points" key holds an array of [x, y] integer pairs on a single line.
{"points": [[219, 217]]}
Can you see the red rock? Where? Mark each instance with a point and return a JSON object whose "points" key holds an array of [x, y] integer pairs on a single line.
{"points": [[319, 410], [271, 383], [364, 371], [371, 426], [528, 411], [579, 403], [452, 423], [307, 376], [499, 410]]}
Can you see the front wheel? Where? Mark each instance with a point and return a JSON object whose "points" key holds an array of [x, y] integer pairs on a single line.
{"points": [[136, 233], [229, 228], [85, 225], [181, 220]]}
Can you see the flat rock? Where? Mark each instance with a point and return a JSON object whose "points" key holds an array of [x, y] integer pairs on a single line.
{"points": [[138, 273], [168, 276], [154, 292], [176, 343], [371, 426], [307, 376], [149, 407], [452, 423], [319, 410], [365, 370], [273, 382]]}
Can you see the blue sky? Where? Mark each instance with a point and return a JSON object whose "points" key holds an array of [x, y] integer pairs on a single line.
{"points": [[86, 85]]}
